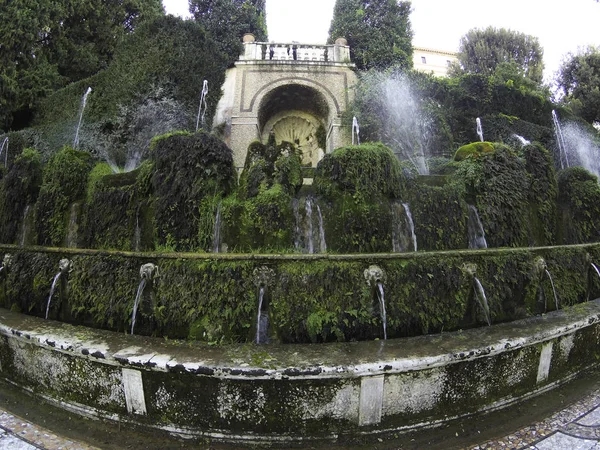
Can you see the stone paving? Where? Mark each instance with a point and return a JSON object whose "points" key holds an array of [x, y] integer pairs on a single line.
{"points": [[19, 434], [576, 427]]}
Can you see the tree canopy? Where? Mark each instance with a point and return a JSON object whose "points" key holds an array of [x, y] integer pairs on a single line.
{"points": [[482, 51], [228, 20], [579, 79], [45, 45], [378, 32]]}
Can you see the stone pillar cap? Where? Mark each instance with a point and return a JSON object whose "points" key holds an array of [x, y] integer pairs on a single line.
{"points": [[248, 37], [341, 41]]}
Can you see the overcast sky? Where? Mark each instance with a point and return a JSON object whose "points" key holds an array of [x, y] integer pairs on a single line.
{"points": [[561, 25]]}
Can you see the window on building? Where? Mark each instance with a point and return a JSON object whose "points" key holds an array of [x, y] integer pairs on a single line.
{"points": [[448, 62], [423, 60]]}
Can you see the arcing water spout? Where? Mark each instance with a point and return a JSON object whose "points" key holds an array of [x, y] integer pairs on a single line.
{"points": [[81, 108], [64, 265], [4, 148], [596, 269], [202, 105], [482, 300], [355, 130], [382, 309], [148, 272], [6, 262], [475, 229], [556, 302], [479, 129]]}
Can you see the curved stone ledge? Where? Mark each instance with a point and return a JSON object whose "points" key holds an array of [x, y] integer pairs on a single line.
{"points": [[276, 393]]}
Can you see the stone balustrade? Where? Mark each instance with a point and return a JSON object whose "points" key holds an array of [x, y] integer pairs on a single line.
{"points": [[270, 51]]}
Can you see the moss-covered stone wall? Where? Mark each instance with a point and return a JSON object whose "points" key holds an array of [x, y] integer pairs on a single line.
{"points": [[307, 298]]}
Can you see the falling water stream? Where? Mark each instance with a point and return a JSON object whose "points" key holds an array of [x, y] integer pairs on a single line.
{"points": [[24, 226], [56, 277], [202, 105], [81, 108], [355, 130], [482, 299], [321, 231], [479, 129], [596, 269], [475, 230], [216, 243], [411, 225], [2, 149], [136, 303], [309, 236], [560, 141], [381, 298]]}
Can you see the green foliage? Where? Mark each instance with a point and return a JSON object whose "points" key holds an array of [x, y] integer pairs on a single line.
{"points": [[48, 44], [579, 205], [497, 184], [579, 79], [226, 21], [19, 188], [378, 32], [482, 51], [187, 169], [147, 89], [64, 182]]}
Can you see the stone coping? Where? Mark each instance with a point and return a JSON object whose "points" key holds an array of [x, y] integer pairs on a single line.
{"points": [[7, 248], [298, 361]]}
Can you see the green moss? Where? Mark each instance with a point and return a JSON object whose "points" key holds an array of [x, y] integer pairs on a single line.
{"points": [[579, 205], [475, 149], [65, 181]]}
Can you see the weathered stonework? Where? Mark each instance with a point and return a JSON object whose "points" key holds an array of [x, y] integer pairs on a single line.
{"points": [[288, 98], [249, 393]]}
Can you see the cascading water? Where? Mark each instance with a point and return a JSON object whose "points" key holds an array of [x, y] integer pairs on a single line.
{"points": [[355, 131], [382, 312], [202, 106], [136, 303], [137, 234], [216, 243], [556, 303], [560, 141], [321, 231], [411, 225], [482, 300], [4, 149], [262, 319], [297, 232], [475, 230], [24, 226], [479, 129], [72, 230], [583, 147], [81, 108], [309, 219]]}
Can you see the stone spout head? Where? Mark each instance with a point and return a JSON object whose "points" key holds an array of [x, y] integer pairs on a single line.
{"points": [[65, 265], [374, 275], [539, 266], [469, 269], [7, 261], [149, 271], [263, 276]]}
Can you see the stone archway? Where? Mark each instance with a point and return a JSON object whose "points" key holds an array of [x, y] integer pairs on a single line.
{"points": [[298, 114]]}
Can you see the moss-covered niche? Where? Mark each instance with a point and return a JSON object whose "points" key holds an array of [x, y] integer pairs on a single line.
{"points": [[307, 298]]}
